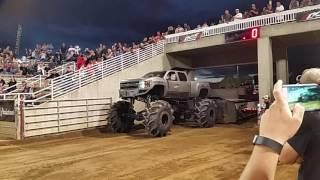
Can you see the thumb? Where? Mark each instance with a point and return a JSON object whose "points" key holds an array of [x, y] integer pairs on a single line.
{"points": [[298, 113]]}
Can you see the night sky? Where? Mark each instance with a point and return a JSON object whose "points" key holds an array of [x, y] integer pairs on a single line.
{"points": [[89, 22]]}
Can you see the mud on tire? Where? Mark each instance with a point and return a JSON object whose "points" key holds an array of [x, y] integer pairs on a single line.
{"points": [[205, 113], [159, 118], [120, 123]]}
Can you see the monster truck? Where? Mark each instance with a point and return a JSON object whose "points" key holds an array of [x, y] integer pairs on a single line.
{"points": [[168, 96]]}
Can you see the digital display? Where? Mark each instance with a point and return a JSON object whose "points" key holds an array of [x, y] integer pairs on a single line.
{"points": [[306, 95], [248, 34]]}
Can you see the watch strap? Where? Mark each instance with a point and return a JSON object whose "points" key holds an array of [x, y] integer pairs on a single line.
{"points": [[272, 144]]}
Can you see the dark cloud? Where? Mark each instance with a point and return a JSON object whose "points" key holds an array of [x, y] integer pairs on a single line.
{"points": [[90, 22]]}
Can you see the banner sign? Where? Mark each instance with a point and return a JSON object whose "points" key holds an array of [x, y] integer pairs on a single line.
{"points": [[7, 111], [191, 37], [309, 15]]}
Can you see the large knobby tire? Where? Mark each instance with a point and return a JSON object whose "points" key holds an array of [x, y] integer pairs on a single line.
{"points": [[159, 119], [122, 117], [205, 113]]}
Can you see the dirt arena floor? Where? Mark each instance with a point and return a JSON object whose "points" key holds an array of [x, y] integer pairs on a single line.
{"points": [[188, 153]]}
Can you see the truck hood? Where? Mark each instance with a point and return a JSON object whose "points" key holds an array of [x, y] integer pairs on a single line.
{"points": [[132, 80]]}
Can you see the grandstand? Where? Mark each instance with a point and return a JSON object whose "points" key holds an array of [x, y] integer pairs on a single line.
{"points": [[267, 42]]}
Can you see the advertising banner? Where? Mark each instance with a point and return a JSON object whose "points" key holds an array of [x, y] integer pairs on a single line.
{"points": [[191, 37], [307, 16]]}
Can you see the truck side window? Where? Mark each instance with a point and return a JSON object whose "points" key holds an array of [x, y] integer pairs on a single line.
{"points": [[172, 76], [182, 76]]}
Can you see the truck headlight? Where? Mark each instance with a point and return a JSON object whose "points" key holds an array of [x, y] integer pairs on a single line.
{"points": [[142, 85]]}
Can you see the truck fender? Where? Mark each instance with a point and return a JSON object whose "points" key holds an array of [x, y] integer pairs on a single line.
{"points": [[203, 92]]}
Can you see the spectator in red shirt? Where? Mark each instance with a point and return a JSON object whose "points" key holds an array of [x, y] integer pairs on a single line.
{"points": [[267, 10], [246, 15], [158, 37], [80, 62]]}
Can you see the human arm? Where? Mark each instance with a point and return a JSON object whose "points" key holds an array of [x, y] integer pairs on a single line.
{"points": [[288, 155], [278, 124], [295, 148], [255, 12]]}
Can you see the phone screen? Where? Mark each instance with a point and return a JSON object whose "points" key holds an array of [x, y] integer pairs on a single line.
{"points": [[308, 95]]}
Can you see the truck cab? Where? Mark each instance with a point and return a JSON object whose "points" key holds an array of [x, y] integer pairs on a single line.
{"points": [[178, 84], [164, 84]]}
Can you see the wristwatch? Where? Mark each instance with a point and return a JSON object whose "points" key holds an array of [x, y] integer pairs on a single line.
{"points": [[272, 144]]}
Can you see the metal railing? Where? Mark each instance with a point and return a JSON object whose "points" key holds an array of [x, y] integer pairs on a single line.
{"points": [[77, 79], [70, 82], [71, 66], [259, 21], [39, 80]]}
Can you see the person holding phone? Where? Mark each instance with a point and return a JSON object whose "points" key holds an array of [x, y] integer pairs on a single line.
{"points": [[304, 147], [278, 124]]}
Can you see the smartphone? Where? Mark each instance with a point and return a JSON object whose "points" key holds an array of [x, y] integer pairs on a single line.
{"points": [[308, 95]]}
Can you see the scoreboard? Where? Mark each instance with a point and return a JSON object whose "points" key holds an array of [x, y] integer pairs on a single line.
{"points": [[249, 34]]}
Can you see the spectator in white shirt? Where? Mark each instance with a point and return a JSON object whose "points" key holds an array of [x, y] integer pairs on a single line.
{"points": [[179, 29], [279, 7], [205, 25], [77, 49], [198, 26], [43, 56], [238, 15], [71, 52]]}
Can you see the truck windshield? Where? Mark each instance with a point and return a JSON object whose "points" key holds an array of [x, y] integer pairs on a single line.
{"points": [[155, 74]]}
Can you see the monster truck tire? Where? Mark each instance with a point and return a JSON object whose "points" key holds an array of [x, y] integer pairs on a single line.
{"points": [[159, 118], [120, 123], [205, 113]]}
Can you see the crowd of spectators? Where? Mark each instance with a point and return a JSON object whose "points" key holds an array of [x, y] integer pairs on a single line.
{"points": [[253, 11], [35, 62], [89, 57]]}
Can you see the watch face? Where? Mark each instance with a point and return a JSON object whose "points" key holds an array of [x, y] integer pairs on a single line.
{"points": [[255, 139]]}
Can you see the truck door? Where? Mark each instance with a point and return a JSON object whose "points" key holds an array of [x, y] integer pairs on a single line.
{"points": [[185, 85], [173, 84]]}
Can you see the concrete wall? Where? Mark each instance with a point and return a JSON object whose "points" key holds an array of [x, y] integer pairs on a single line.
{"points": [[290, 28], [109, 87], [201, 43]]}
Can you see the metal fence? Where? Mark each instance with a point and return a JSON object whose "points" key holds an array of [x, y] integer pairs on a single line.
{"points": [[63, 116], [259, 21]]}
